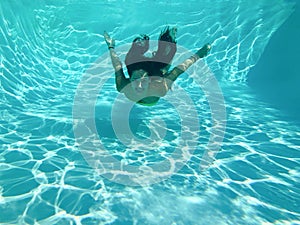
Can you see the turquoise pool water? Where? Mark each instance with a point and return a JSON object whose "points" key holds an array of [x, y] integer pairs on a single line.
{"points": [[248, 173]]}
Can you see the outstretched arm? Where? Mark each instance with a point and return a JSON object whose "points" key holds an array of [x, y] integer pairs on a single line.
{"points": [[181, 68], [121, 80]]}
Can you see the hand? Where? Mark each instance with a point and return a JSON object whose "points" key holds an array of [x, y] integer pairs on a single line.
{"points": [[109, 41], [204, 50]]}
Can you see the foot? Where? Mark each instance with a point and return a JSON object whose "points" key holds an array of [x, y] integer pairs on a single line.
{"points": [[204, 50], [168, 35], [173, 33]]}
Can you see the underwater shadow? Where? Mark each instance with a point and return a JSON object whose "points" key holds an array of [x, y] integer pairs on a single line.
{"points": [[276, 76]]}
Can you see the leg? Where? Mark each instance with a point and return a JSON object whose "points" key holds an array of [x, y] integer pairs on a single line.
{"points": [[166, 48], [135, 56]]}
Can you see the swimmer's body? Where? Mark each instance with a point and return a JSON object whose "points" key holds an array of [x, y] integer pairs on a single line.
{"points": [[149, 77]]}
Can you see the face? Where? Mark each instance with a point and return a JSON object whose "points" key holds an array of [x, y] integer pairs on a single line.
{"points": [[139, 81]]}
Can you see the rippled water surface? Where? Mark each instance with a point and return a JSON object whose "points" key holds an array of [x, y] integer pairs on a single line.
{"points": [[47, 50]]}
